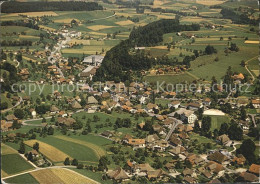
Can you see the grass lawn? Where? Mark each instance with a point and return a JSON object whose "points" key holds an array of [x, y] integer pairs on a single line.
{"points": [[14, 163], [25, 178], [216, 121]]}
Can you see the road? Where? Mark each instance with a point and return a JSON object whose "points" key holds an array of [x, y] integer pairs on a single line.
{"points": [[175, 123], [253, 77], [18, 103], [57, 50], [253, 119]]}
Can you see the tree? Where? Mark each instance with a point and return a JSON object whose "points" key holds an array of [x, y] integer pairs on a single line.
{"points": [[19, 113], [235, 132], [243, 113], [247, 149], [22, 148], [50, 131], [36, 146], [67, 161], [80, 166], [196, 127], [223, 129], [210, 50], [234, 47], [243, 63], [4, 105], [103, 162], [74, 162], [206, 124], [16, 125]]}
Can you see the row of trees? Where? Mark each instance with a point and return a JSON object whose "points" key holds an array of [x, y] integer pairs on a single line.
{"points": [[20, 7], [16, 43]]}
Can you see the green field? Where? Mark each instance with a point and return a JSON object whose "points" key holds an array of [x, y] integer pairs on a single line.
{"points": [[24, 178], [216, 121], [14, 163], [80, 152]]}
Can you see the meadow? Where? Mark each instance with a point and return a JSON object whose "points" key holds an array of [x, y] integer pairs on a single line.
{"points": [[11, 160]]}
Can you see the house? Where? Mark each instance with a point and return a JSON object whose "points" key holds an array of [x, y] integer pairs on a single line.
{"points": [[255, 169], [194, 159], [244, 124], [159, 145], [207, 101], [217, 157], [214, 167], [92, 100], [240, 159], [238, 78], [151, 138], [5, 126], [107, 134], [76, 105], [174, 104], [177, 150], [187, 116], [137, 143], [10, 117], [155, 174], [88, 73], [126, 138], [175, 140], [143, 168], [66, 121], [194, 106], [24, 73], [224, 140], [189, 179], [118, 174], [256, 103], [248, 177], [150, 107], [54, 109]]}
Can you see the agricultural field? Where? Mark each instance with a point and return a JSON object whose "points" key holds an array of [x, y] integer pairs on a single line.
{"points": [[49, 151], [11, 158], [54, 175]]}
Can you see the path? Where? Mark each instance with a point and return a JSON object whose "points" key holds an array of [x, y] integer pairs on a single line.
{"points": [[253, 77], [104, 17], [18, 103]]}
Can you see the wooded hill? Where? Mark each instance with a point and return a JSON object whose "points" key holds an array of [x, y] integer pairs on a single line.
{"points": [[20, 7], [123, 58]]}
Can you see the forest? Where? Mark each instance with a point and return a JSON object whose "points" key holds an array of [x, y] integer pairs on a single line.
{"points": [[20, 7], [123, 58]]}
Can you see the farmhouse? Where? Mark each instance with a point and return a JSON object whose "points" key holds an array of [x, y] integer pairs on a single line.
{"points": [[137, 143], [117, 174]]}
